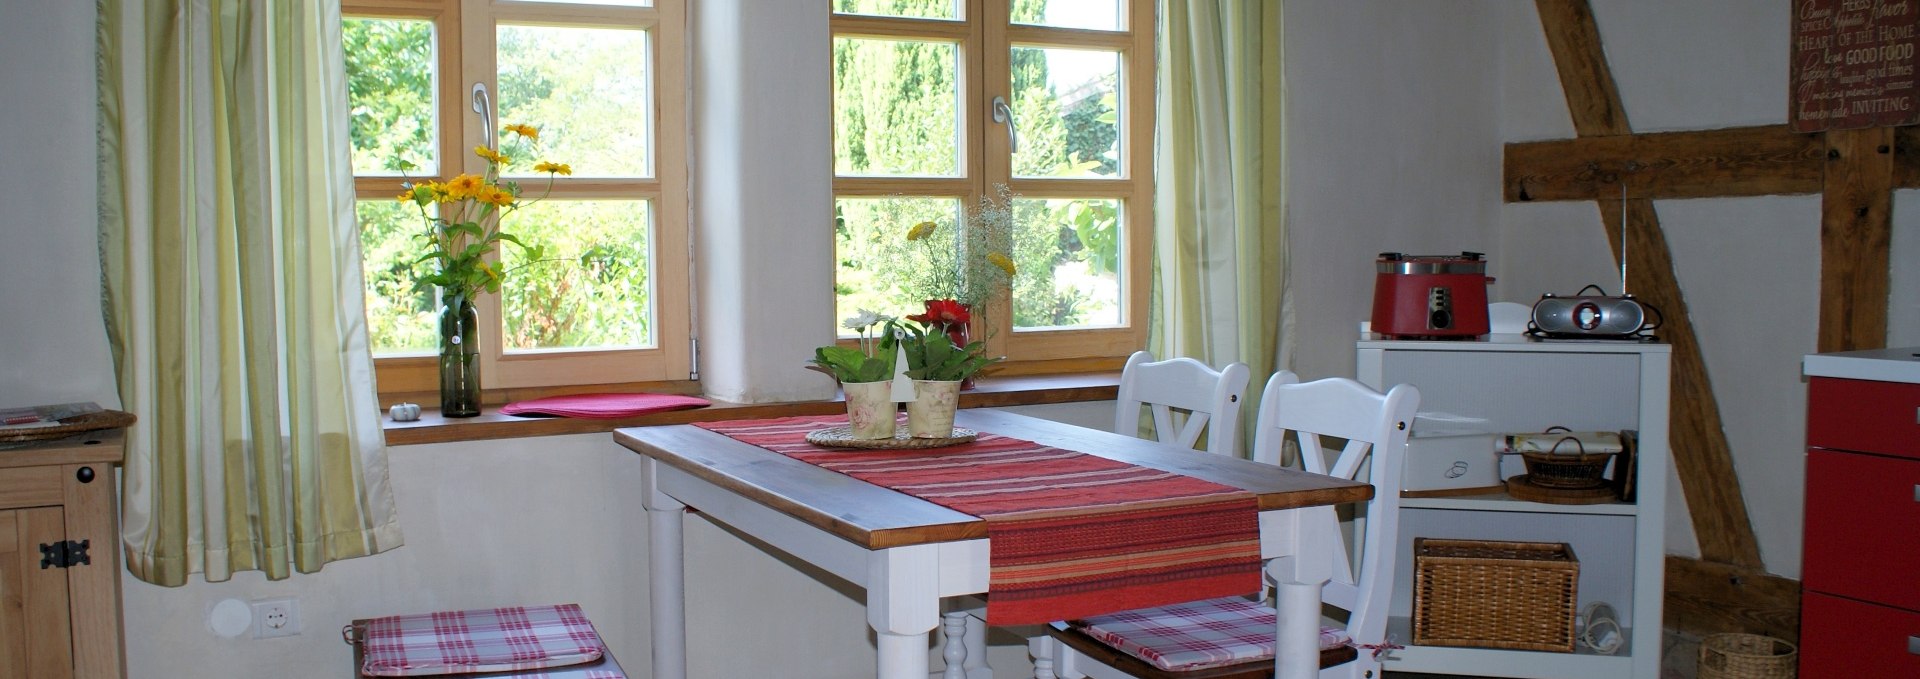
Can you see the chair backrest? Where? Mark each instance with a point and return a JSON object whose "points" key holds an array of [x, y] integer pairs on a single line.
{"points": [[1210, 400], [1374, 426]]}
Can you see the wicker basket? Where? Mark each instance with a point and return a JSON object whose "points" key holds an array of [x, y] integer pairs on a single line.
{"points": [[1489, 594], [1564, 470], [1746, 656]]}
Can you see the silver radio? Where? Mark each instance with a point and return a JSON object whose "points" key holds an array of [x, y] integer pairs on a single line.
{"points": [[1590, 316]]}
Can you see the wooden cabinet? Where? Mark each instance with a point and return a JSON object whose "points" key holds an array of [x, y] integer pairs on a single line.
{"points": [[1510, 384], [1860, 601], [59, 559]]}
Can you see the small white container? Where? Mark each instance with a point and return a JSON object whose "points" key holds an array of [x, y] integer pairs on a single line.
{"points": [[1457, 464]]}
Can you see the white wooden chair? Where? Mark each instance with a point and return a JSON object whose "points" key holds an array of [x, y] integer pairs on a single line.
{"points": [[1209, 398], [1239, 636]]}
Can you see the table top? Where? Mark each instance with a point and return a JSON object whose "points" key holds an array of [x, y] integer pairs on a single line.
{"points": [[879, 518]]}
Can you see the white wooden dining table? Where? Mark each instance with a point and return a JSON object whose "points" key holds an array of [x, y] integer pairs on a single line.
{"points": [[910, 554]]}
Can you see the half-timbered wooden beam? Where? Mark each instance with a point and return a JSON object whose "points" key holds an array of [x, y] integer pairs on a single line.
{"points": [[1856, 229], [1739, 161], [1766, 160], [1699, 444]]}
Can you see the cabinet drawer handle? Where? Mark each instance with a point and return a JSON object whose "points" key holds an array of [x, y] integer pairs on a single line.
{"points": [[1913, 645]]}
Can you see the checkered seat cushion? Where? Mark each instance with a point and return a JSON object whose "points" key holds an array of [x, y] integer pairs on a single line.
{"points": [[480, 640], [1196, 635]]}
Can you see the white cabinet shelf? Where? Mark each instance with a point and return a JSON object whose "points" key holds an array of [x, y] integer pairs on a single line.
{"points": [[1500, 502], [1518, 384]]}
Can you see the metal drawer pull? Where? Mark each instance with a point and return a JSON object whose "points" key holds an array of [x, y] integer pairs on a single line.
{"points": [[1913, 645]]}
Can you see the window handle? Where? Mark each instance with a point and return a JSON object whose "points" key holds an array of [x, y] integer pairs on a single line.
{"points": [[483, 105], [1003, 114]]}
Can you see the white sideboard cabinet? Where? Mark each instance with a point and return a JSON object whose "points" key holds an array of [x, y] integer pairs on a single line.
{"points": [[1519, 384]]}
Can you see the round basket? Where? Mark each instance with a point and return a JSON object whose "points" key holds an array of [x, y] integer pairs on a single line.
{"points": [[1746, 656], [842, 437], [1563, 470]]}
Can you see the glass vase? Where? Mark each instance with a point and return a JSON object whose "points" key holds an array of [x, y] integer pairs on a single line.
{"points": [[459, 358]]}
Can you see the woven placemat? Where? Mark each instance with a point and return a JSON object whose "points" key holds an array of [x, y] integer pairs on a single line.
{"points": [[105, 419], [842, 437]]}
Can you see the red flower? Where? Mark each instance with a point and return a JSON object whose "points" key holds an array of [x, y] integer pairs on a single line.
{"points": [[944, 313]]}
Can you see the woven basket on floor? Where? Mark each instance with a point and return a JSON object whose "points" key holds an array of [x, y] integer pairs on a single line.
{"points": [[1746, 656]]}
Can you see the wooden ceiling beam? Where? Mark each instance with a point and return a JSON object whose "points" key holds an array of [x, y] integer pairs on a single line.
{"points": [[1740, 161], [1765, 160], [1699, 444]]}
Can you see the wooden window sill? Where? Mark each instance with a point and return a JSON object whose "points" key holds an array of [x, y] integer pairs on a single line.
{"points": [[989, 392]]}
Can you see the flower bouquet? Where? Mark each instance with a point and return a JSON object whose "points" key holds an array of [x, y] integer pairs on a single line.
{"points": [[957, 271], [462, 217]]}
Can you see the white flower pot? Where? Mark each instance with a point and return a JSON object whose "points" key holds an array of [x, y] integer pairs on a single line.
{"points": [[870, 409], [930, 413]]}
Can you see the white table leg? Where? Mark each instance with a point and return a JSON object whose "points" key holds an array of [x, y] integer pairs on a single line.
{"points": [[666, 549], [1297, 637], [903, 606]]}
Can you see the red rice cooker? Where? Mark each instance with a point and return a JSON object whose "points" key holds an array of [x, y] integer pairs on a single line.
{"points": [[1430, 296]]}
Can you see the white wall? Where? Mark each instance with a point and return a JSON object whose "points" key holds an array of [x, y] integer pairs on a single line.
{"points": [[53, 348], [1392, 124]]}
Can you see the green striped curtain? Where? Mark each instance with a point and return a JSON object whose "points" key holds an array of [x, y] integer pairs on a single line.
{"points": [[1219, 237], [232, 267]]}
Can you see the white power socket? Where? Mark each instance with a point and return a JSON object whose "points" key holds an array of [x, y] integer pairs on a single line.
{"points": [[276, 618]]}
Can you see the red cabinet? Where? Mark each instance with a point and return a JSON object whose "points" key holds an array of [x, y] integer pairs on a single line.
{"points": [[1860, 601]]}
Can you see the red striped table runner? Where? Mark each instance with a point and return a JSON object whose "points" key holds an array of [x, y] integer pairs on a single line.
{"points": [[1073, 535]]}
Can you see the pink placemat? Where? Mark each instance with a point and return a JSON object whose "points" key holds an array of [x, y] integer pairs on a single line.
{"points": [[603, 406], [480, 640]]}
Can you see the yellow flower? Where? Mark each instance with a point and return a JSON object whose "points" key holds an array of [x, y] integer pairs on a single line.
{"points": [[405, 197], [921, 230], [465, 186], [524, 130], [1001, 261], [555, 168], [491, 155], [496, 196]]}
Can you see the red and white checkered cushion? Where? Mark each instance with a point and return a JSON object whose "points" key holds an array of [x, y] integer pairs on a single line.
{"points": [[1196, 635], [484, 640]]}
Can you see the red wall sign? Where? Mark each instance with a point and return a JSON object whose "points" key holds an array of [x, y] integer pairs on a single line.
{"points": [[1853, 64]]}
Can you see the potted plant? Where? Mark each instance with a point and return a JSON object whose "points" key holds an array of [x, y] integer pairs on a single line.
{"points": [[865, 373], [937, 364]]}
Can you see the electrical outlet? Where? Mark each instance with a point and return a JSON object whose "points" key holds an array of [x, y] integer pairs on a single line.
{"points": [[276, 618]]}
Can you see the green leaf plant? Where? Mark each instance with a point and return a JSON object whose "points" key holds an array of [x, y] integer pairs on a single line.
{"points": [[933, 355], [871, 361]]}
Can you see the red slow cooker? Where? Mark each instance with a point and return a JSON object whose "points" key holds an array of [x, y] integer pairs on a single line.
{"points": [[1430, 296]]}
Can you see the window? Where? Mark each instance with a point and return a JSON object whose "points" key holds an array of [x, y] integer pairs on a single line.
{"points": [[916, 87], [603, 82]]}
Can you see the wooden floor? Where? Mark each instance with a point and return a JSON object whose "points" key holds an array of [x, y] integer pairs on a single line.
{"points": [[1678, 660]]}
